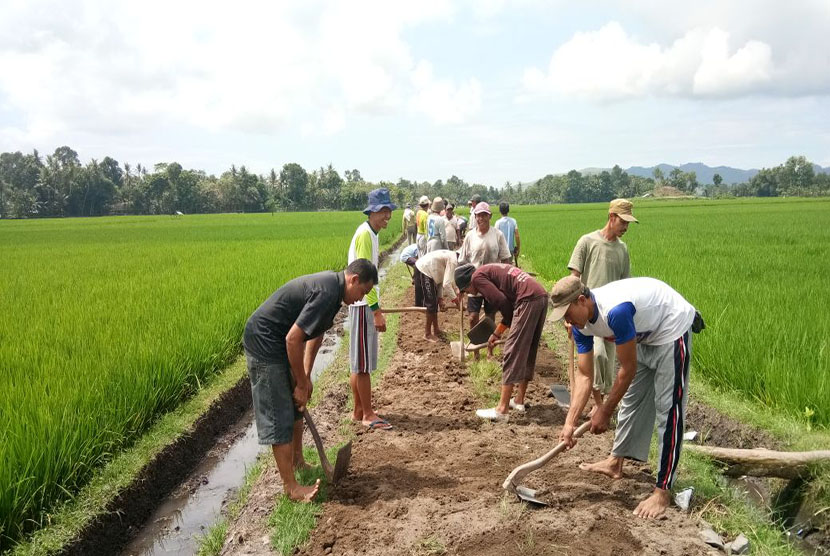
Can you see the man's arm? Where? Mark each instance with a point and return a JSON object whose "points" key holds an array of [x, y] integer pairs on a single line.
{"points": [[577, 262], [627, 356], [583, 384], [295, 346], [518, 242], [311, 348], [505, 256]]}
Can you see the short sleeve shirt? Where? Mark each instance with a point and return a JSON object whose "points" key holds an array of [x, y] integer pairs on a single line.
{"points": [[481, 249], [508, 227], [600, 261], [643, 309], [311, 302]]}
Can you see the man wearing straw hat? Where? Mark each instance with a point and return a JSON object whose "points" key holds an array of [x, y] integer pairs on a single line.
{"points": [[599, 258], [436, 227], [652, 328], [366, 318]]}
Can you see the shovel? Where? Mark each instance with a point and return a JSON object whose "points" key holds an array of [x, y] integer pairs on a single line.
{"points": [[457, 350], [511, 483], [561, 394], [344, 454]]}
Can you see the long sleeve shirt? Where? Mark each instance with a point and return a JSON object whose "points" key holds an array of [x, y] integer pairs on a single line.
{"points": [[504, 286]]}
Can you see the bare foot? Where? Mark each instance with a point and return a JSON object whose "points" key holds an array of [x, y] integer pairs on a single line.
{"points": [[431, 338], [357, 415], [610, 467], [655, 505], [300, 493]]}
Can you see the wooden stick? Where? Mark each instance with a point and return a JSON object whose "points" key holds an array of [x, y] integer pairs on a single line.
{"points": [[763, 463], [462, 352], [571, 370]]}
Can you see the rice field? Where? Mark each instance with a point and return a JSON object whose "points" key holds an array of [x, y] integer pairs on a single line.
{"points": [[757, 270], [108, 322]]}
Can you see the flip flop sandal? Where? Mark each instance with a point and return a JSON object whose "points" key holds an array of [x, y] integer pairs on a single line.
{"points": [[380, 424]]}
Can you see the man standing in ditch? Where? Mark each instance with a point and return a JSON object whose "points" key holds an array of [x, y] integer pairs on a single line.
{"points": [[366, 318], [652, 326], [281, 341], [523, 304], [599, 258]]}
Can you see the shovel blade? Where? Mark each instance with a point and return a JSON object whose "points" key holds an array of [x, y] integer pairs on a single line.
{"points": [[341, 464], [561, 395], [529, 495]]}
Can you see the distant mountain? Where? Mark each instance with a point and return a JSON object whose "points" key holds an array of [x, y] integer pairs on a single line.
{"points": [[705, 174]]}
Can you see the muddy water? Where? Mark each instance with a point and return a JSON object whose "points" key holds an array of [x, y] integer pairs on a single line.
{"points": [[180, 521]]}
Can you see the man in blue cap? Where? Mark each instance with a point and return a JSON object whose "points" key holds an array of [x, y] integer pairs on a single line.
{"points": [[365, 317]]}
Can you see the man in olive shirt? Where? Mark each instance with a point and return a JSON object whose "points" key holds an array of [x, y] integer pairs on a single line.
{"points": [[281, 341], [599, 258]]}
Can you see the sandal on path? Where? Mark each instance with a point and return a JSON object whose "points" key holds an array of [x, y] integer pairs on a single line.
{"points": [[379, 424]]}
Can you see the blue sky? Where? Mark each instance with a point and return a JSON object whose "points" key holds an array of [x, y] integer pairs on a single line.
{"points": [[490, 91]]}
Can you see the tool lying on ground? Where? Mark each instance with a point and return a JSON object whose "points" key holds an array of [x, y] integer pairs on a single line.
{"points": [[344, 454], [511, 483], [561, 394]]}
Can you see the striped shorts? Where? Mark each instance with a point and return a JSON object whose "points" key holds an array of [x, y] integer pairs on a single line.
{"points": [[363, 340], [658, 392]]}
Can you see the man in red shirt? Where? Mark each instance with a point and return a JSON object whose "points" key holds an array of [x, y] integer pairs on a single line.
{"points": [[523, 305]]}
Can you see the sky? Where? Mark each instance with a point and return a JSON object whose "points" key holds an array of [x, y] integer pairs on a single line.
{"points": [[488, 90]]}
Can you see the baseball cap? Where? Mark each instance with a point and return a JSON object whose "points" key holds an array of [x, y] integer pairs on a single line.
{"points": [[475, 199], [622, 208], [565, 292], [482, 207]]}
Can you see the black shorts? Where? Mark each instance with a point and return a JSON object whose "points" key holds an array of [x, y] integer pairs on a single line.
{"points": [[430, 293], [474, 304]]}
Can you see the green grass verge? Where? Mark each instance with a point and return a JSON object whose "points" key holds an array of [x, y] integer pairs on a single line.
{"points": [[211, 543], [69, 519]]}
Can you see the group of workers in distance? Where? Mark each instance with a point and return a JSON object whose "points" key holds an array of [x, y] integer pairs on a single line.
{"points": [[642, 323]]}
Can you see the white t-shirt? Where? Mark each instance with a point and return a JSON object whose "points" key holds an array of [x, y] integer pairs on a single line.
{"points": [[440, 265], [481, 249], [660, 314]]}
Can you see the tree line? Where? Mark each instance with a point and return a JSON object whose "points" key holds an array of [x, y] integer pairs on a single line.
{"points": [[59, 185]]}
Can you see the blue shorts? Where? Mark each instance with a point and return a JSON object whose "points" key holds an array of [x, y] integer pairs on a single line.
{"points": [[272, 389]]}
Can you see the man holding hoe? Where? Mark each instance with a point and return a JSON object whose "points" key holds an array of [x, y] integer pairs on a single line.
{"points": [[599, 258], [652, 327], [523, 304], [281, 341]]}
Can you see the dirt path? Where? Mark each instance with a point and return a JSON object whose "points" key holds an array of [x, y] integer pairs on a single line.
{"points": [[433, 484]]}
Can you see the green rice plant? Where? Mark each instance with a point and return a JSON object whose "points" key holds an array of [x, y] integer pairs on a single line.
{"points": [[757, 269], [109, 322]]}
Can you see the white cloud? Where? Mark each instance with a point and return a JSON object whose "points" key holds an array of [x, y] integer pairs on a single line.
{"points": [[442, 100], [609, 64], [90, 66]]}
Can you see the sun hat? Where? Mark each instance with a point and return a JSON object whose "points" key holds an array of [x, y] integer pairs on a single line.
{"points": [[424, 200], [565, 292], [622, 208], [482, 207], [379, 199], [437, 204], [464, 275]]}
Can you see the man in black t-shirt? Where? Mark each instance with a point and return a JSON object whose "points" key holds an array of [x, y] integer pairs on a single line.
{"points": [[281, 341]]}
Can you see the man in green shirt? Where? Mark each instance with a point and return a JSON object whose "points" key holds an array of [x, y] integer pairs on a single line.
{"points": [[599, 258], [365, 317]]}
